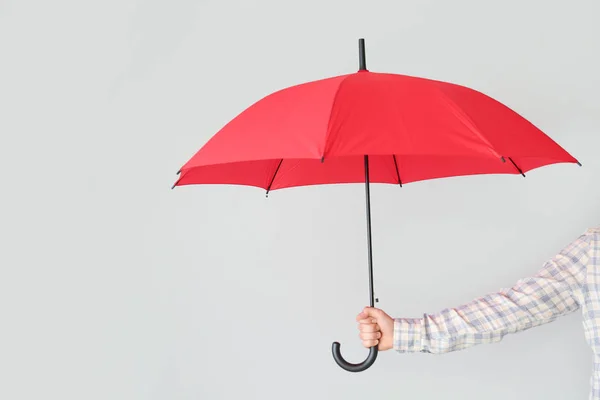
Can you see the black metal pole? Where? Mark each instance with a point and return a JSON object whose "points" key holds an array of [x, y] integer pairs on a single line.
{"points": [[373, 351], [369, 240], [363, 67]]}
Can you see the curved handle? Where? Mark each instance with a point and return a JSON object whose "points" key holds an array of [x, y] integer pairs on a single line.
{"points": [[337, 356]]}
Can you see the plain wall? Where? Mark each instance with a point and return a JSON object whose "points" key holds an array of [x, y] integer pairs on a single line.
{"points": [[113, 286]]}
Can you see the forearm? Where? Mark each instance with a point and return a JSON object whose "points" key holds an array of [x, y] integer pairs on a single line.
{"points": [[554, 291], [483, 321]]}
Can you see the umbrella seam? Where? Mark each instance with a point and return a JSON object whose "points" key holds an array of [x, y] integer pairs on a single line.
{"points": [[472, 126], [335, 98]]}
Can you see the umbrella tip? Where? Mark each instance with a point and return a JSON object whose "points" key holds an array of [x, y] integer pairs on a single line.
{"points": [[362, 58], [178, 172], [578, 163]]}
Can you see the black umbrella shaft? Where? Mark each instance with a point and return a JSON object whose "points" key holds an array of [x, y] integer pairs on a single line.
{"points": [[369, 240], [373, 351]]}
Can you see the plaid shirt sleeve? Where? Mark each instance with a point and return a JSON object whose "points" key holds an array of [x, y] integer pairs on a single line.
{"points": [[554, 291]]}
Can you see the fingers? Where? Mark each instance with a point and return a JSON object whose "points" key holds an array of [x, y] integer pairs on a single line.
{"points": [[370, 335], [370, 339], [367, 321], [368, 328], [369, 332], [368, 312]]}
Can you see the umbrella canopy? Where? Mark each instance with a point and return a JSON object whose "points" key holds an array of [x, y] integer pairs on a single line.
{"points": [[370, 127], [412, 129]]}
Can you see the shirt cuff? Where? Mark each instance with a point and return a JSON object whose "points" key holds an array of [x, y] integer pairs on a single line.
{"points": [[407, 335]]}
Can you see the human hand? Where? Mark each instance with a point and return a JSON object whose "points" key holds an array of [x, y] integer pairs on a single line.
{"points": [[376, 328]]}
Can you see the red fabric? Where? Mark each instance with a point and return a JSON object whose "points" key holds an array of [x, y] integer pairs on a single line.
{"points": [[434, 129]]}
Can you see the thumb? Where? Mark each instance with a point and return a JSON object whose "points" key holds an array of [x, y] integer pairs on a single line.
{"points": [[372, 312]]}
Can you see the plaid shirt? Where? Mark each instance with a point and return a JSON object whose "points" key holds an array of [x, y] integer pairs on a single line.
{"points": [[567, 282]]}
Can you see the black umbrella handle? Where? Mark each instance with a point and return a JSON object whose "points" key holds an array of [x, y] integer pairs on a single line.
{"points": [[337, 356]]}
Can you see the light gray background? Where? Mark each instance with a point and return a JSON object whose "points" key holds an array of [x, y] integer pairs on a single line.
{"points": [[115, 287]]}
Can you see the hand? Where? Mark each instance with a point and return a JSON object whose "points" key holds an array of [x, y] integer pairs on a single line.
{"points": [[376, 328]]}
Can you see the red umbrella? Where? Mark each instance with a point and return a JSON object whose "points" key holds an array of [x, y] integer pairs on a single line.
{"points": [[373, 128]]}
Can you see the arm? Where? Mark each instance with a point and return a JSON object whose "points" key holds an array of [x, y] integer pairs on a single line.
{"points": [[554, 291]]}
